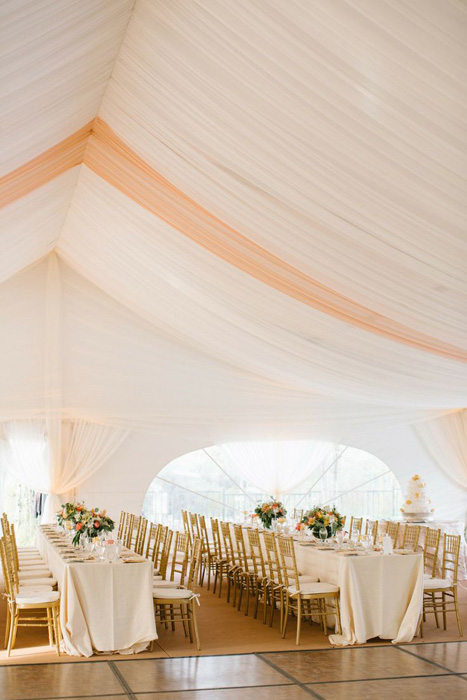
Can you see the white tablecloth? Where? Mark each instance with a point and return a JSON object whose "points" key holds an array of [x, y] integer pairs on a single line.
{"points": [[104, 607], [380, 596]]}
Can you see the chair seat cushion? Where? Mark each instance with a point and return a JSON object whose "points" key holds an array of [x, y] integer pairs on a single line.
{"points": [[37, 573], [33, 589], [430, 584], [32, 567], [38, 598], [314, 588], [172, 593], [157, 577], [307, 579], [163, 584], [40, 581]]}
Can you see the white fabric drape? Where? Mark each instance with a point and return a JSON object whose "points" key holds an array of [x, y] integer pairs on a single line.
{"points": [[28, 455], [275, 468], [445, 440]]}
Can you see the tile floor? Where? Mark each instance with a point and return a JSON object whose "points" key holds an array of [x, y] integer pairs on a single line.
{"points": [[407, 672]]}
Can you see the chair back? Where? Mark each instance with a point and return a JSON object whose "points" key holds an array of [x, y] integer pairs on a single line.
{"points": [[121, 524], [411, 537], [290, 575], [8, 581], [371, 529], [153, 537], [272, 558], [228, 544], [195, 562], [204, 534], [182, 548], [160, 544], [297, 513], [194, 525], [216, 538], [355, 524], [186, 523], [392, 529], [451, 550], [256, 553], [430, 550], [165, 553], [242, 556], [141, 536]]}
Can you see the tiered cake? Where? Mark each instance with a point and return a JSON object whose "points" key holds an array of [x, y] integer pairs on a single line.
{"points": [[417, 506]]}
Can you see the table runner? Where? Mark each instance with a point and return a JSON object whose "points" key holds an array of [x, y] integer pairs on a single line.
{"points": [[105, 608]]}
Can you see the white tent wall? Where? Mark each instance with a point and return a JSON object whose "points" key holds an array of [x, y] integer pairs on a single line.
{"points": [[123, 481]]}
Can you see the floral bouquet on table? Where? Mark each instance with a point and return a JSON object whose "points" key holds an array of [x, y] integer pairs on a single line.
{"points": [[321, 516], [269, 512], [68, 513], [98, 523]]}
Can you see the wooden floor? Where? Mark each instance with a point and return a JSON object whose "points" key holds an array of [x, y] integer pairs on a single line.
{"points": [[223, 630]]}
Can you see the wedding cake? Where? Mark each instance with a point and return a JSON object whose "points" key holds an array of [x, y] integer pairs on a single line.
{"points": [[417, 506]]}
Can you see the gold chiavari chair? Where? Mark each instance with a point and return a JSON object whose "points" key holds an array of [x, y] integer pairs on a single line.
{"points": [[411, 537], [152, 541], [208, 556], [440, 594], [164, 558], [355, 524], [371, 529], [259, 567], [141, 536], [305, 599], [128, 530], [274, 586], [247, 579], [134, 531], [430, 551], [392, 529], [24, 555], [194, 526], [233, 565], [186, 523], [29, 607], [297, 514], [178, 604], [221, 561], [180, 556], [121, 524]]}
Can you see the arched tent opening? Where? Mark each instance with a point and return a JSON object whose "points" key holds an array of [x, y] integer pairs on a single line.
{"points": [[228, 480]]}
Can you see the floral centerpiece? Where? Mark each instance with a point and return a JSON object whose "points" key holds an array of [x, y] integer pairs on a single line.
{"points": [[322, 516], [83, 521], [69, 512], [269, 512]]}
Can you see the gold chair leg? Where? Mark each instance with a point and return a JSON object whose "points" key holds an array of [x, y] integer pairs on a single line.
{"points": [[7, 624], [286, 613], [299, 620], [12, 634], [456, 606], [195, 626], [338, 615]]}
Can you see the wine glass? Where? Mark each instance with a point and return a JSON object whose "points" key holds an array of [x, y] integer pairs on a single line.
{"points": [[118, 547]]}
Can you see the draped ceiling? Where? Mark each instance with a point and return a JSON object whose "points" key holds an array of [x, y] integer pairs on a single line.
{"points": [[247, 213]]}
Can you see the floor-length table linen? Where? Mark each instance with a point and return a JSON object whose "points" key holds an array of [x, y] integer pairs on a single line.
{"points": [[380, 595], [105, 607]]}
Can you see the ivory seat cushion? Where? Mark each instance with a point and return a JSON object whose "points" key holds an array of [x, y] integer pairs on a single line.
{"points": [[33, 589], [38, 598], [433, 583], [163, 584], [172, 593], [39, 581], [39, 573], [314, 588]]}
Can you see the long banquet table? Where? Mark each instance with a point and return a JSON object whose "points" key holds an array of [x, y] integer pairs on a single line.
{"points": [[380, 595], [105, 607]]}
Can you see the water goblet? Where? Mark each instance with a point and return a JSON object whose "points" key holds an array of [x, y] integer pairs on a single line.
{"points": [[323, 533]]}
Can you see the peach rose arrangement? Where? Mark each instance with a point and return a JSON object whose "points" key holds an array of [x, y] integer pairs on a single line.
{"points": [[84, 521]]}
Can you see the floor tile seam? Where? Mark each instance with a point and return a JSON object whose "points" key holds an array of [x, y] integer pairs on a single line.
{"points": [[203, 690], [289, 676], [422, 658], [121, 679], [70, 697], [382, 678]]}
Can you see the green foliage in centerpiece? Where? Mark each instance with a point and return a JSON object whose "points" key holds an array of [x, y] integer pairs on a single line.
{"points": [[322, 516], [269, 511]]}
